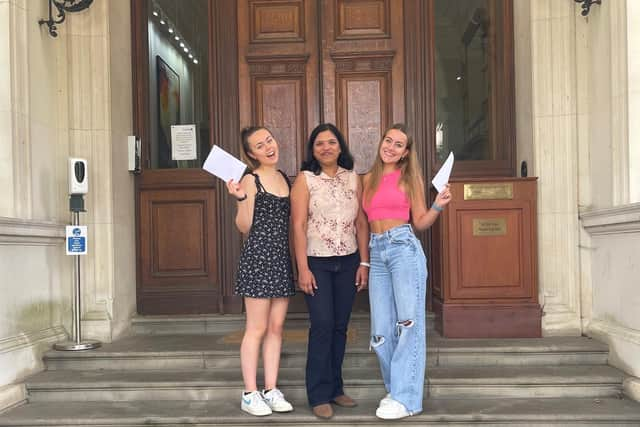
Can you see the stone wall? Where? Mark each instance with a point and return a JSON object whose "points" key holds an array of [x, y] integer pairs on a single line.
{"points": [[577, 100], [62, 97]]}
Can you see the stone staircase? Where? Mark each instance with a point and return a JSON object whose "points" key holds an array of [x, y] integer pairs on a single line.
{"points": [[185, 371]]}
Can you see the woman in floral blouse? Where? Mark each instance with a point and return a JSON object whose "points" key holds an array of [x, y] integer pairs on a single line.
{"points": [[330, 234]]}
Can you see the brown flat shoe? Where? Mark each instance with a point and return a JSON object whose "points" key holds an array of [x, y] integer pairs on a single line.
{"points": [[324, 411], [345, 401]]}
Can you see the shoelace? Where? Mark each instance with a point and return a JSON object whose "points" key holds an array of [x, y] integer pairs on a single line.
{"points": [[276, 394]]}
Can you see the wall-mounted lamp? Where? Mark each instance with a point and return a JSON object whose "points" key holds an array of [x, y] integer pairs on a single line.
{"points": [[586, 5], [63, 6]]}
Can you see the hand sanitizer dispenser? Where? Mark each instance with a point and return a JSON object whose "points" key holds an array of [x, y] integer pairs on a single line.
{"points": [[78, 176]]}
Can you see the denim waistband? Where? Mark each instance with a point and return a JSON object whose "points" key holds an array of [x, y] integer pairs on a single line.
{"points": [[394, 232]]}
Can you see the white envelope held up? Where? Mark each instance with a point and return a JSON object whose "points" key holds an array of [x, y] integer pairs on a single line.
{"points": [[224, 165], [442, 177]]}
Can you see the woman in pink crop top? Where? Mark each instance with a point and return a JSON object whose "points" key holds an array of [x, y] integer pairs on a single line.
{"points": [[394, 194]]}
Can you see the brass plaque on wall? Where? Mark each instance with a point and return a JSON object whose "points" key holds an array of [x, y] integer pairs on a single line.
{"points": [[489, 226], [489, 191]]}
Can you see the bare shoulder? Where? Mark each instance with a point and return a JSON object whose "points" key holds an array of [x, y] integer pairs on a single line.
{"points": [[301, 181], [248, 183], [299, 194]]}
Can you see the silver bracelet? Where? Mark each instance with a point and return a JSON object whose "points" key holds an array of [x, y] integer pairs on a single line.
{"points": [[366, 264]]}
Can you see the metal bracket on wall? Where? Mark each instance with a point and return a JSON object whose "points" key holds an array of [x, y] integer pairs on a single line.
{"points": [[63, 6], [586, 5]]}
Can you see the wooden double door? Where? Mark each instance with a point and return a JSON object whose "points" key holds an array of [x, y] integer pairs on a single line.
{"points": [[304, 62], [289, 65]]}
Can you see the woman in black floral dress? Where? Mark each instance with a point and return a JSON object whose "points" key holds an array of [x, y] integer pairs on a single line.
{"points": [[264, 272]]}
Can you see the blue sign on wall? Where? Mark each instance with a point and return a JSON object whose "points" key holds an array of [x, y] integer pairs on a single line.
{"points": [[76, 239]]}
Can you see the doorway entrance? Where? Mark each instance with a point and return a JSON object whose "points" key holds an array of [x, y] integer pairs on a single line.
{"points": [[309, 62], [289, 65]]}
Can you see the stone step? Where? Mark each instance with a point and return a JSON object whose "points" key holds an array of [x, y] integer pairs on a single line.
{"points": [[478, 382], [224, 323], [222, 351], [225, 412]]}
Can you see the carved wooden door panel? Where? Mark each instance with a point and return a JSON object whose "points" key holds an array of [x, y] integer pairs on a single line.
{"points": [[362, 71], [304, 62], [277, 43]]}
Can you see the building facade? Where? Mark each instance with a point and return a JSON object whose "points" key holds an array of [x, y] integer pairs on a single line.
{"points": [[576, 96]]}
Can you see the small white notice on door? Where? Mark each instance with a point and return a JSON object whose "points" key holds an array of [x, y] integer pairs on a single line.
{"points": [[183, 142]]}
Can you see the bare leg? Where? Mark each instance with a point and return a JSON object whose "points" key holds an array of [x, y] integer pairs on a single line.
{"points": [[257, 312], [273, 341]]}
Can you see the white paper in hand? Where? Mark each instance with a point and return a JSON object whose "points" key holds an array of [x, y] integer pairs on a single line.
{"points": [[224, 165], [442, 177]]}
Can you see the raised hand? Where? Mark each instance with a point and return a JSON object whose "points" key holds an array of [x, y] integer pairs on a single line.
{"points": [[235, 190], [444, 197]]}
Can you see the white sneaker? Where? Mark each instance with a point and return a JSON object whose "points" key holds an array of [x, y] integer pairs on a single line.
{"points": [[386, 399], [392, 410], [276, 401], [253, 404]]}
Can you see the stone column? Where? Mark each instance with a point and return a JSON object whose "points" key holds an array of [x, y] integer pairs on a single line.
{"points": [[633, 97], [556, 88], [610, 213], [15, 146], [98, 56]]}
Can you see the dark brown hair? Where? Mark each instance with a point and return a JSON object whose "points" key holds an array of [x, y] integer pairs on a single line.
{"points": [[345, 159], [245, 134]]}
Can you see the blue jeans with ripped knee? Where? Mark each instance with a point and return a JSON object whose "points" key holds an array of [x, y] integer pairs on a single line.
{"points": [[397, 292]]}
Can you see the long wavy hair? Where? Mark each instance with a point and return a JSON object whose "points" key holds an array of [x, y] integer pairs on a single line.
{"points": [[245, 134], [410, 175], [310, 163]]}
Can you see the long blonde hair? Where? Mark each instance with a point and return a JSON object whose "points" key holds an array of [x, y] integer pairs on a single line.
{"points": [[410, 171]]}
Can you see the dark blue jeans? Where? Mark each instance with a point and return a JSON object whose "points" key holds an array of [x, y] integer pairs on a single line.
{"points": [[329, 313]]}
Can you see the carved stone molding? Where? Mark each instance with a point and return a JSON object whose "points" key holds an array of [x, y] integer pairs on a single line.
{"points": [[277, 64], [616, 220], [21, 356], [603, 328], [31, 339], [363, 62], [21, 232]]}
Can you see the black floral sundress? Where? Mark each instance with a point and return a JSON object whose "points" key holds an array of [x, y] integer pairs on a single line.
{"points": [[264, 270]]}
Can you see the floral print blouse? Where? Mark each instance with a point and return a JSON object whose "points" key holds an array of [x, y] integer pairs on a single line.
{"points": [[333, 208]]}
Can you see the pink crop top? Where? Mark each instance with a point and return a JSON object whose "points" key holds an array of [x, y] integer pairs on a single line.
{"points": [[389, 201]]}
